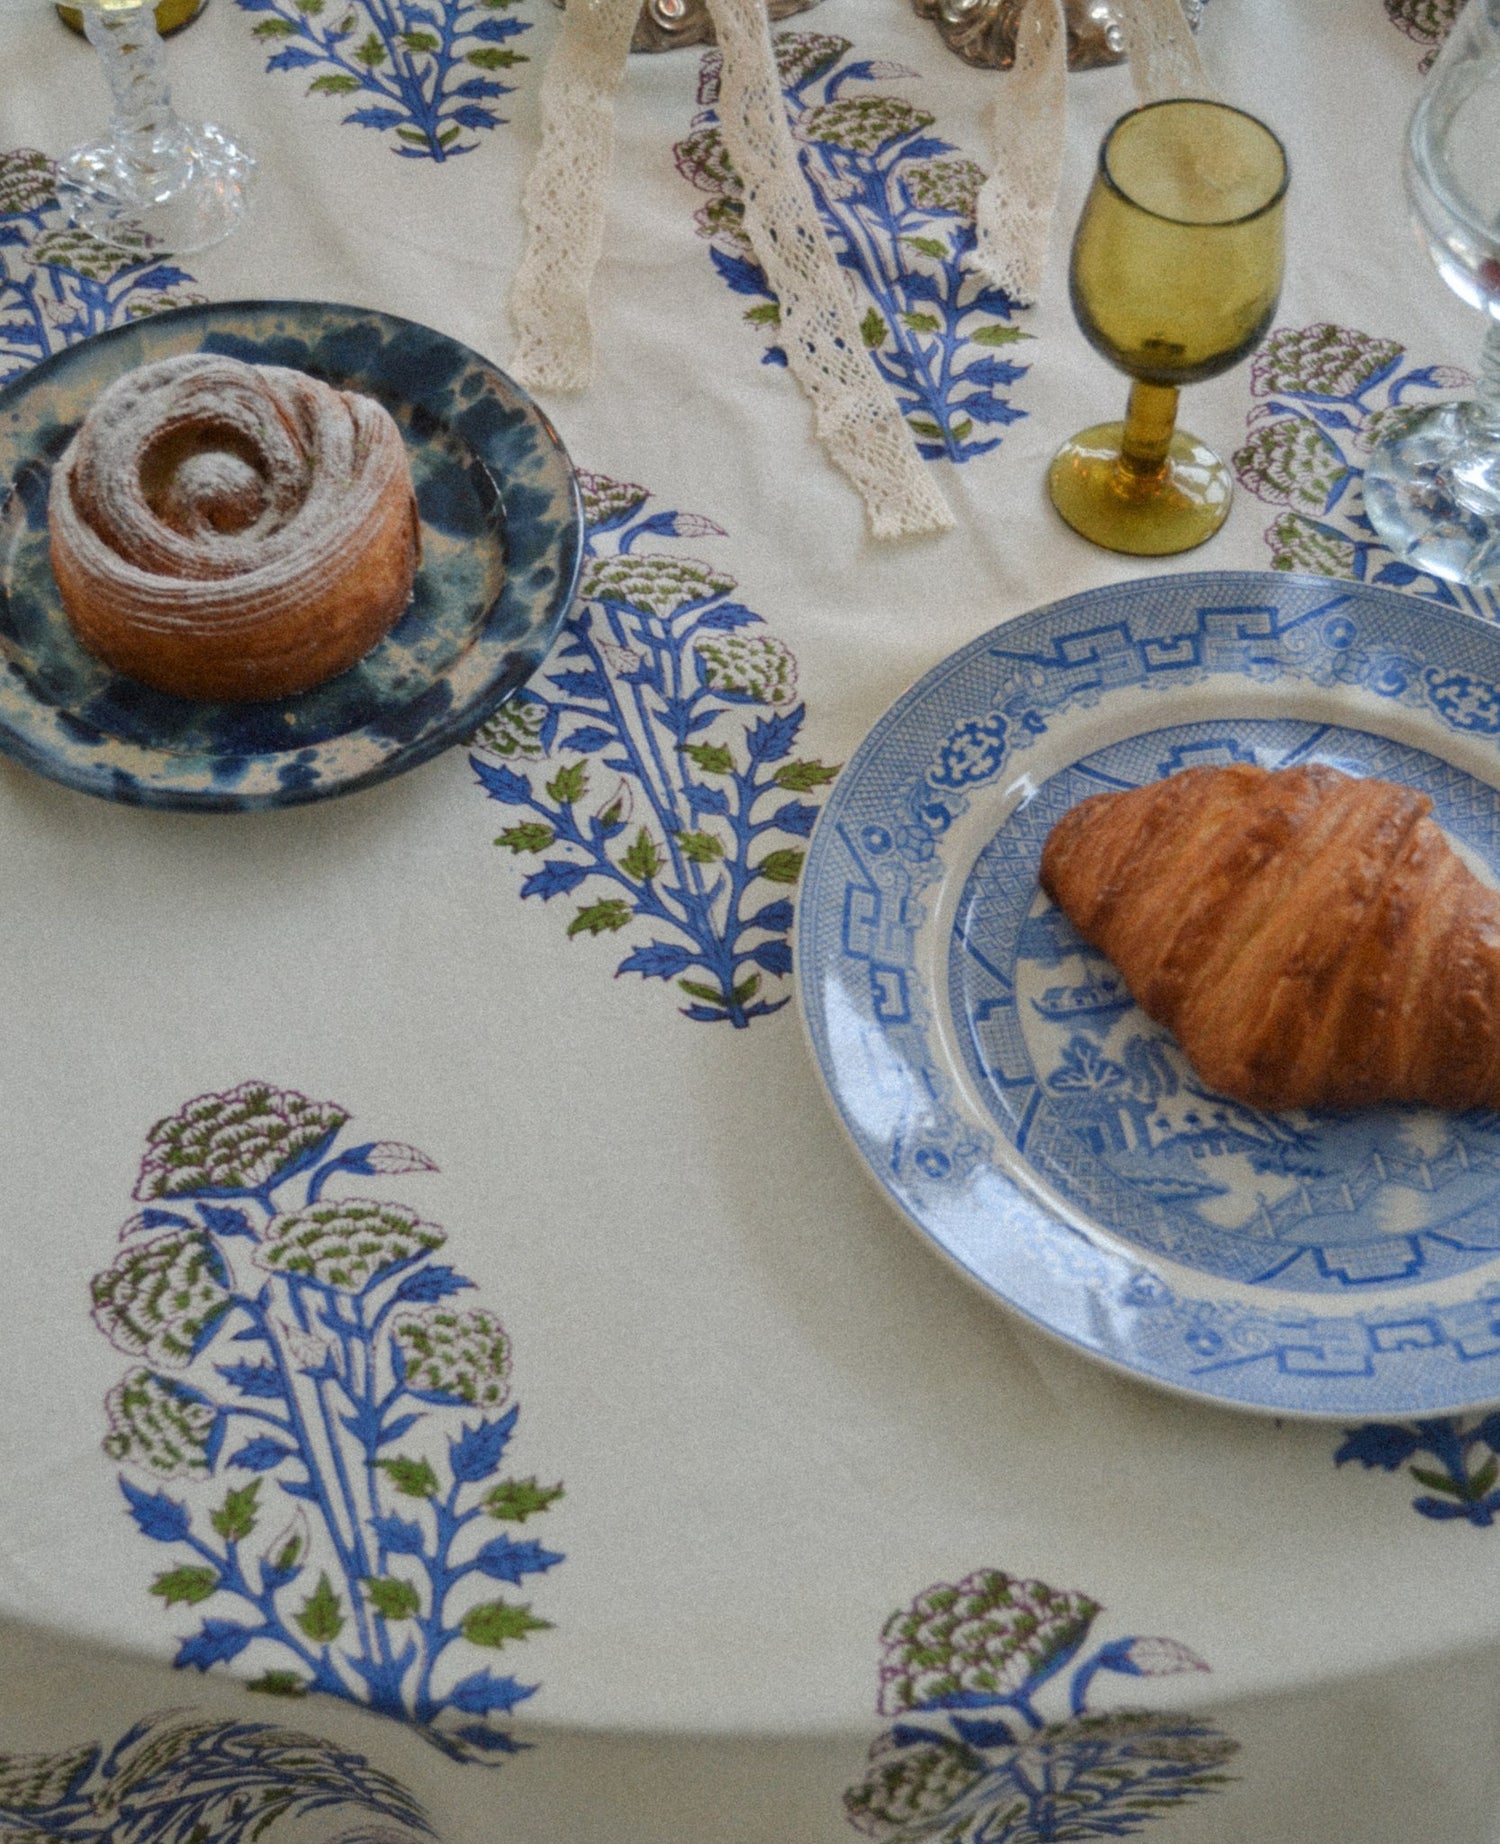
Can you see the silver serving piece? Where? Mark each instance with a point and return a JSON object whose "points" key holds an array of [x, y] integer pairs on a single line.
{"points": [[984, 31], [666, 24]]}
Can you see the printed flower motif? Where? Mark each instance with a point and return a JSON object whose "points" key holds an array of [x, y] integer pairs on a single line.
{"points": [[754, 666], [1296, 544], [32, 1782], [346, 1244], [971, 753], [606, 501], [28, 180], [1289, 461], [862, 124], [71, 248], [1324, 360], [904, 1786], [1158, 1658], [462, 1356], [1426, 21], [988, 1635], [515, 731], [234, 1141], [800, 56], [155, 1424], [1467, 703], [944, 185], [660, 585], [162, 1296], [703, 160]]}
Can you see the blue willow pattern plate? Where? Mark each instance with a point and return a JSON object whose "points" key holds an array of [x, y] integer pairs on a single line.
{"points": [[502, 544], [1021, 1110]]}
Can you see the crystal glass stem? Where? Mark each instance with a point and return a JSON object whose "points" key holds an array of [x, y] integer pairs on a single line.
{"points": [[1484, 416], [150, 141]]}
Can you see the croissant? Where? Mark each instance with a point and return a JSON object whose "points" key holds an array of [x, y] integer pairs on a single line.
{"points": [[1310, 937], [232, 531]]}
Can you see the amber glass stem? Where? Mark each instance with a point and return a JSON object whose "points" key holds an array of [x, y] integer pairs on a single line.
{"points": [[1150, 417]]}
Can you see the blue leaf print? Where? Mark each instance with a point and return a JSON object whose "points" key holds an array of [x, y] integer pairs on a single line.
{"points": [[261, 1454], [476, 1453], [502, 783], [399, 1535], [484, 1692], [556, 878], [163, 1519], [377, 1406], [650, 769], [253, 1379], [504, 1560], [659, 960], [411, 62], [215, 1643], [435, 1282], [898, 207]]}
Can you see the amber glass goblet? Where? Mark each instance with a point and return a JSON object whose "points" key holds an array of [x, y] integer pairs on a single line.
{"points": [[1175, 273]]}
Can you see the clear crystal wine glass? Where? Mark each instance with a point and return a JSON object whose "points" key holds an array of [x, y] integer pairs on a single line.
{"points": [[156, 185], [1432, 484]]}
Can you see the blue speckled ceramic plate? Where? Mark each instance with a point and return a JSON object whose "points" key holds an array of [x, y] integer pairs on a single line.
{"points": [[502, 544], [1025, 1114]]}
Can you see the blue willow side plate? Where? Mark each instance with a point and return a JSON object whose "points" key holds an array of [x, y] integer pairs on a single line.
{"points": [[1022, 1111], [502, 545]]}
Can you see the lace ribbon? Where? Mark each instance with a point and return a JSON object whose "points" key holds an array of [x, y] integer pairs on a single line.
{"points": [[562, 205], [1028, 118], [855, 416]]}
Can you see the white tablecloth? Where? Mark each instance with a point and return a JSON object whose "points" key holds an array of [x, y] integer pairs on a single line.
{"points": [[777, 1418]]}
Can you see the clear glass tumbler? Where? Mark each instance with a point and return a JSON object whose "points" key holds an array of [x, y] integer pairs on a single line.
{"points": [[1432, 485]]}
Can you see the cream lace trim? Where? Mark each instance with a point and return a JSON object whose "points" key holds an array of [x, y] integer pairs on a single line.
{"points": [[1014, 211], [855, 416], [563, 203]]}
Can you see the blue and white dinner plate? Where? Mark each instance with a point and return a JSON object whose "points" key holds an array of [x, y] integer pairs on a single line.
{"points": [[502, 545], [1023, 1112]]}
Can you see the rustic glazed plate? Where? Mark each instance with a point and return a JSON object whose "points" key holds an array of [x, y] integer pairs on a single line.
{"points": [[502, 544], [1032, 1122]]}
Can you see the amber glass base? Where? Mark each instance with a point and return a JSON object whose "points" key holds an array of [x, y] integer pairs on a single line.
{"points": [[171, 16], [1179, 505]]}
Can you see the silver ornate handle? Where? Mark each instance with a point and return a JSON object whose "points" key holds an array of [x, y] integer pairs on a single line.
{"points": [[664, 25], [984, 31]]}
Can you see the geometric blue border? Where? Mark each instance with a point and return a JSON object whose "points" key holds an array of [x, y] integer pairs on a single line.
{"points": [[1275, 644]]}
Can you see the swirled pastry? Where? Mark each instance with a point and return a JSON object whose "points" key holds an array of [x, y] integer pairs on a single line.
{"points": [[1310, 938], [232, 531]]}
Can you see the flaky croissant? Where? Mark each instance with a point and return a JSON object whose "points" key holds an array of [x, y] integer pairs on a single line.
{"points": [[1310, 937]]}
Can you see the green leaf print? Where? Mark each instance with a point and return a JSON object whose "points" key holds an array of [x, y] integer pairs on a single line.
{"points": [[515, 1500], [322, 1615], [530, 836], [568, 784], [191, 1583], [782, 867], [235, 1518], [643, 861], [494, 1623], [392, 1599], [413, 1478], [601, 918]]}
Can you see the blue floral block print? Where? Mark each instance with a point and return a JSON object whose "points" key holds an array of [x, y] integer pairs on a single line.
{"points": [[335, 1422], [650, 771], [1324, 396], [175, 1779], [58, 285], [972, 1758], [426, 74], [1457, 1461], [898, 207]]}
